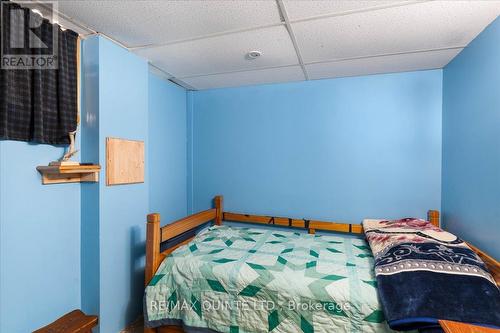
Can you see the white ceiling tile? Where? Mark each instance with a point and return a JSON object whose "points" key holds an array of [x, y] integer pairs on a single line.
{"points": [[385, 64], [261, 76], [136, 23], [353, 29], [422, 26], [224, 53], [310, 8]]}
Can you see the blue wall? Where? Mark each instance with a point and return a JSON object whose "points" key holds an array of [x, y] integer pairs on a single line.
{"points": [[123, 113], [121, 99], [116, 105], [341, 149], [167, 149], [471, 142], [39, 240]]}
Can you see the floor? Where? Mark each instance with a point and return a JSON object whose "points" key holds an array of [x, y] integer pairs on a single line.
{"points": [[136, 327]]}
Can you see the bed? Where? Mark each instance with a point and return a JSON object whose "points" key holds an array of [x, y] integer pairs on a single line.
{"points": [[284, 280], [234, 279]]}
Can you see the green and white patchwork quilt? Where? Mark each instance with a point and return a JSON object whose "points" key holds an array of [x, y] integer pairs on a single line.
{"points": [[247, 280]]}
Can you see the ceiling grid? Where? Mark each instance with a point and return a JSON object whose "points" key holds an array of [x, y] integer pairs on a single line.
{"points": [[284, 15], [202, 44]]}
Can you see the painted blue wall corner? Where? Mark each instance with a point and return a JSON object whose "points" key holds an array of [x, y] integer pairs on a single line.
{"points": [[123, 100], [89, 252], [190, 136], [471, 142], [123, 113], [167, 149]]}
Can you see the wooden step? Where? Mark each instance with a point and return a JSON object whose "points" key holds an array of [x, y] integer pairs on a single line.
{"points": [[73, 322]]}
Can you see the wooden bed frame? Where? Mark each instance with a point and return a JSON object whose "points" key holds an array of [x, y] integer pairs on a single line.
{"points": [[157, 235]]}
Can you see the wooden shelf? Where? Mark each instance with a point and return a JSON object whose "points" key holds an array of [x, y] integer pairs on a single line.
{"points": [[54, 174]]}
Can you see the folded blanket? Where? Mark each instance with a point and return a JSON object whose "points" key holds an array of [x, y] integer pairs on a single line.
{"points": [[425, 274]]}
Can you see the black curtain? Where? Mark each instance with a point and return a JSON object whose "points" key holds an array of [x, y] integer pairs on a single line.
{"points": [[38, 105]]}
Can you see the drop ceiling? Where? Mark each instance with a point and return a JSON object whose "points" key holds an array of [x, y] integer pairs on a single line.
{"points": [[203, 44]]}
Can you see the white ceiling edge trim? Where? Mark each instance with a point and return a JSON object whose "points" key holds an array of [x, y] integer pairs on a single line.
{"points": [[330, 61], [387, 54], [167, 76], [319, 79], [383, 73], [159, 72], [338, 76], [182, 84], [251, 78], [277, 67]]}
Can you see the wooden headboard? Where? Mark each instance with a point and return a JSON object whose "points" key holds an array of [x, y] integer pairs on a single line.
{"points": [[155, 235]]}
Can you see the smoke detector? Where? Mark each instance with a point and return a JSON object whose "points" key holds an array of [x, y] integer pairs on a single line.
{"points": [[253, 55]]}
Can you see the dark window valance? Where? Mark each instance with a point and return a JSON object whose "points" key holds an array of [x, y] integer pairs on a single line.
{"points": [[38, 105]]}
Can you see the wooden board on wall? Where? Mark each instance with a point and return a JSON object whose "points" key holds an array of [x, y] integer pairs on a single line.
{"points": [[124, 161]]}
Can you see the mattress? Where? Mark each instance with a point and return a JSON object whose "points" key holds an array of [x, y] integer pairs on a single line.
{"points": [[247, 280]]}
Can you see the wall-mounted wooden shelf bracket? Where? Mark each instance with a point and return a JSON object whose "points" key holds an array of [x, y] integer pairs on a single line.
{"points": [[56, 174]]}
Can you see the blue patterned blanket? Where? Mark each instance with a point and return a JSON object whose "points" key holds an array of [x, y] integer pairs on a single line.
{"points": [[425, 274]]}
